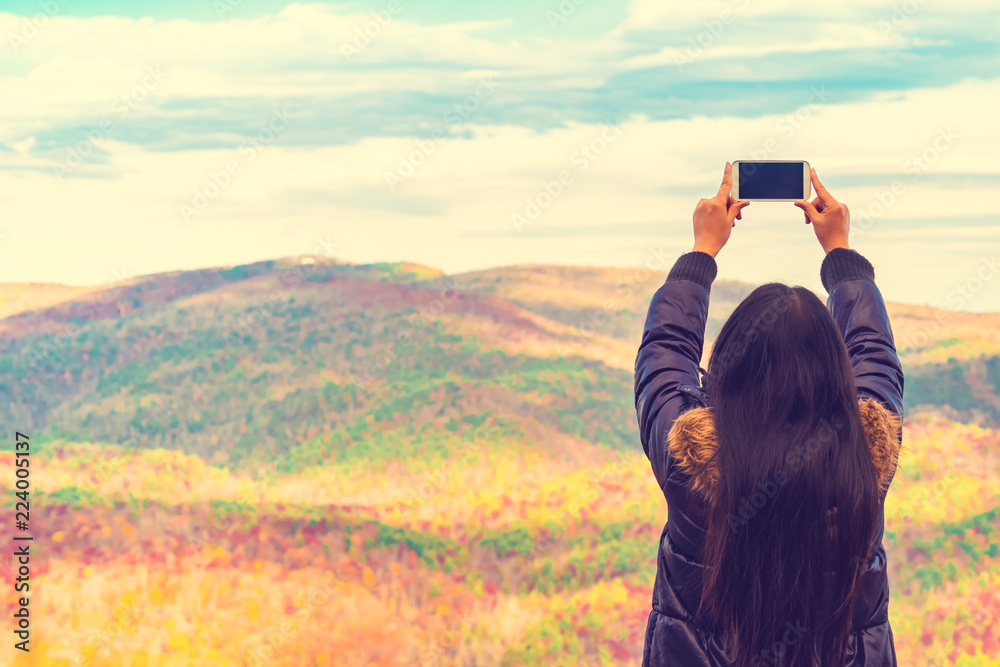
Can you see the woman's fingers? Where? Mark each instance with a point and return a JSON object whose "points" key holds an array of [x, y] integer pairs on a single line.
{"points": [[736, 210], [821, 191], [729, 204], [727, 182], [809, 208]]}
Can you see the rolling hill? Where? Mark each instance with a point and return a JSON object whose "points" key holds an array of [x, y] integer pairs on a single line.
{"points": [[239, 362]]}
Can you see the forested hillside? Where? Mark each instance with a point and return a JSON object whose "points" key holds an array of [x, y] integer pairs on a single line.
{"points": [[245, 361]]}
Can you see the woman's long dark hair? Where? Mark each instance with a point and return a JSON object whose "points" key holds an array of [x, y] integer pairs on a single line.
{"points": [[794, 509]]}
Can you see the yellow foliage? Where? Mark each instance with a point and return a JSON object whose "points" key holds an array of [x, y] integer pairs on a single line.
{"points": [[252, 610]]}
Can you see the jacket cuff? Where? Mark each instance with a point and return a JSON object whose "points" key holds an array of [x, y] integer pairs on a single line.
{"points": [[698, 267], [841, 265]]}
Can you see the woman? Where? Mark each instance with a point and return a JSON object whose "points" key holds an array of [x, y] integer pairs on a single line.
{"points": [[776, 466]]}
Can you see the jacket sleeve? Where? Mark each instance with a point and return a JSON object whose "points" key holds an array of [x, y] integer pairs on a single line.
{"points": [[666, 367], [857, 306]]}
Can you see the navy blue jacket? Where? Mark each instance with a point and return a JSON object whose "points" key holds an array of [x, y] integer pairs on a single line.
{"points": [[667, 384]]}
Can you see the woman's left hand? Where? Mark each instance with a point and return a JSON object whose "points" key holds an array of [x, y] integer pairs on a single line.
{"points": [[715, 218]]}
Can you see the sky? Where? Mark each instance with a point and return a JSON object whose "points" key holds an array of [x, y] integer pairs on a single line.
{"points": [[145, 137]]}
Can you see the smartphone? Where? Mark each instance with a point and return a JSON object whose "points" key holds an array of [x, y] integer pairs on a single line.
{"points": [[771, 180]]}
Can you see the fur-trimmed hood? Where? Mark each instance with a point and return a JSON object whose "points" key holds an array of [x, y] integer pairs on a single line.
{"points": [[692, 442]]}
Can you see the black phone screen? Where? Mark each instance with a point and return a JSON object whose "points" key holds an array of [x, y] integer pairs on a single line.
{"points": [[771, 180]]}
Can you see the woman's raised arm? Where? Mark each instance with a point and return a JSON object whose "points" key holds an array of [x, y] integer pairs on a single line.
{"points": [[666, 367], [855, 302]]}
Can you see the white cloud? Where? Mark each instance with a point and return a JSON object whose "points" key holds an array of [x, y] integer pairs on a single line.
{"points": [[682, 55], [687, 14], [78, 64]]}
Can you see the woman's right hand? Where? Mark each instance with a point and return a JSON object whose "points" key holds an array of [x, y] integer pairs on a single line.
{"points": [[830, 219]]}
